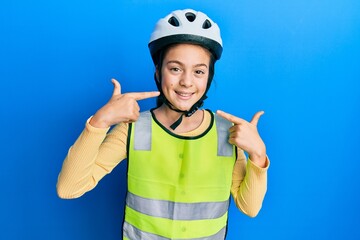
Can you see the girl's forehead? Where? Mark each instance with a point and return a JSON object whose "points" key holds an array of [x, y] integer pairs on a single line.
{"points": [[187, 51]]}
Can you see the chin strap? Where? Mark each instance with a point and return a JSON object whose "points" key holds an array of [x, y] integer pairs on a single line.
{"points": [[188, 113], [177, 122]]}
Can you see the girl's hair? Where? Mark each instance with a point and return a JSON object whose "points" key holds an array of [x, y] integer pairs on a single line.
{"points": [[159, 58]]}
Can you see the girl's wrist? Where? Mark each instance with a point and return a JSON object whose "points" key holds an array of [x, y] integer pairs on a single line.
{"points": [[98, 122], [258, 158]]}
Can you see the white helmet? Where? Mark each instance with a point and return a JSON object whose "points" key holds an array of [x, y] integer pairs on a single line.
{"points": [[186, 26]]}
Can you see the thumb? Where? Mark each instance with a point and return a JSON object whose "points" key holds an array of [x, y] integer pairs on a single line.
{"points": [[256, 117], [117, 87]]}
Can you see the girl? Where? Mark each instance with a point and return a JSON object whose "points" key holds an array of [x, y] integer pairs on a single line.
{"points": [[183, 161]]}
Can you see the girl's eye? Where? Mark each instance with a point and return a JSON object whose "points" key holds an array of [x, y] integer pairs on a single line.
{"points": [[199, 72], [175, 69]]}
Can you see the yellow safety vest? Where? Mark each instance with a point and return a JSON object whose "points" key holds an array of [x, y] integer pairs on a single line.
{"points": [[178, 187]]}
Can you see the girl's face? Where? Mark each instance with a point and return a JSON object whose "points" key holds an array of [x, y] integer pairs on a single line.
{"points": [[185, 73]]}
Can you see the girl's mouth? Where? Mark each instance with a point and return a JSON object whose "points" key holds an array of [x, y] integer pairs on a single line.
{"points": [[184, 95]]}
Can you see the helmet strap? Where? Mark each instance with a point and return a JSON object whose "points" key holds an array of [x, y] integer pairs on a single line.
{"points": [[187, 113]]}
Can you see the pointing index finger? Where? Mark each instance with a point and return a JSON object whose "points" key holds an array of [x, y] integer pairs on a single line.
{"points": [[229, 117], [143, 95]]}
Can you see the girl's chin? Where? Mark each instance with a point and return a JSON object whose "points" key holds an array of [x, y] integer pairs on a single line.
{"points": [[182, 107]]}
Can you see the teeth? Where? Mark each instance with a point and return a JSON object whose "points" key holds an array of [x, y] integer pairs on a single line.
{"points": [[184, 94]]}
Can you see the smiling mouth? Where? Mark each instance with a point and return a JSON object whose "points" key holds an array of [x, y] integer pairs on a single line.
{"points": [[184, 95]]}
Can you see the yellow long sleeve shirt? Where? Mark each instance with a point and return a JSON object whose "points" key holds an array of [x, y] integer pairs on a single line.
{"points": [[98, 151]]}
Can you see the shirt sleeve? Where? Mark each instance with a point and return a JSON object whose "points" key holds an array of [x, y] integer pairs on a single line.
{"points": [[94, 154], [249, 184]]}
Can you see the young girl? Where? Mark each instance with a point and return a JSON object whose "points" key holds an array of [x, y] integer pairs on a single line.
{"points": [[183, 162]]}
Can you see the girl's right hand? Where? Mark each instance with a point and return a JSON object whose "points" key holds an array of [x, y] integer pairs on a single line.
{"points": [[120, 107]]}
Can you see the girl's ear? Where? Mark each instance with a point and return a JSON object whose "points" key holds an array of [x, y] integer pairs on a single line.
{"points": [[157, 74]]}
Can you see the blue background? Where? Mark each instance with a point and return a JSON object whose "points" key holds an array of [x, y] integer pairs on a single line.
{"points": [[297, 60]]}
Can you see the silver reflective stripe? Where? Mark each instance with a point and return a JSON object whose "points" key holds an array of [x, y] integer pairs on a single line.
{"points": [[142, 134], [134, 233], [176, 210], [222, 128]]}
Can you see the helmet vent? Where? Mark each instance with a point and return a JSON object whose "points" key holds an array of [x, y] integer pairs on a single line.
{"points": [[173, 21], [190, 16], [206, 24]]}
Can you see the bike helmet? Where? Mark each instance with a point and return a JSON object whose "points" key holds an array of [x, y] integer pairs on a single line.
{"points": [[186, 26]]}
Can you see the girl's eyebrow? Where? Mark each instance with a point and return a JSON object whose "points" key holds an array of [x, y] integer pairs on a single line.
{"points": [[175, 61], [181, 64], [201, 65]]}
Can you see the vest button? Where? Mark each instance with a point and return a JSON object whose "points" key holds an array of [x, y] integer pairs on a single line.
{"points": [[183, 192], [182, 175], [183, 229], [181, 155]]}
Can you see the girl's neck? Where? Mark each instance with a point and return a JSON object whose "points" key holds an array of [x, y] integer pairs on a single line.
{"points": [[167, 117]]}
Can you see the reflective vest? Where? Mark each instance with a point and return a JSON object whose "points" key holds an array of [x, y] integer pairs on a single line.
{"points": [[178, 187]]}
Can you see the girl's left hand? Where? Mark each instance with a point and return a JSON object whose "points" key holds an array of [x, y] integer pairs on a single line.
{"points": [[245, 135]]}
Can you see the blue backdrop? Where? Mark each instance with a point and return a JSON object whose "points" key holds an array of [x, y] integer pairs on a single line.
{"points": [[297, 60]]}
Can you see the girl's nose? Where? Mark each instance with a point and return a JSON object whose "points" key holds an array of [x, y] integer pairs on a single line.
{"points": [[186, 80]]}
